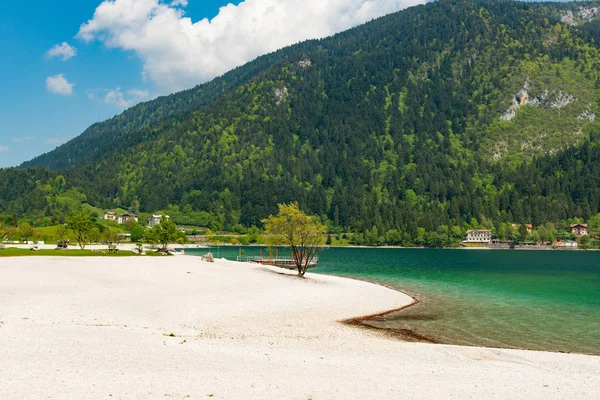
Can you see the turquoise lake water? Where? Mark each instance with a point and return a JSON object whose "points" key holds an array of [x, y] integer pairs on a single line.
{"points": [[540, 300]]}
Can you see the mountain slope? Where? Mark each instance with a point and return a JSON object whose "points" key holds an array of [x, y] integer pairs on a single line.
{"points": [[104, 136], [422, 119]]}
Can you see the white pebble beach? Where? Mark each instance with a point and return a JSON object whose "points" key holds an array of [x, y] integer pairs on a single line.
{"points": [[180, 328]]}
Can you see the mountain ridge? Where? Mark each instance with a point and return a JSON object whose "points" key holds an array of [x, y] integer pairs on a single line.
{"points": [[397, 125]]}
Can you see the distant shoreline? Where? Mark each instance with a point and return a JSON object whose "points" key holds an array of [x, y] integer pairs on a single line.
{"points": [[208, 245]]}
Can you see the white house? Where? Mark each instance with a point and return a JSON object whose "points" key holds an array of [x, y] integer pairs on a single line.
{"points": [[478, 236], [126, 217], [155, 220], [110, 216]]}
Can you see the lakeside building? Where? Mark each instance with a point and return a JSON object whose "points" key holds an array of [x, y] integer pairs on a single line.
{"points": [[478, 236], [567, 244], [110, 216], [529, 227], [155, 220], [126, 217], [579, 229]]}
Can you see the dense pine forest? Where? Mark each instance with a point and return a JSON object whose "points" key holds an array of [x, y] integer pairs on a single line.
{"points": [[407, 130]]}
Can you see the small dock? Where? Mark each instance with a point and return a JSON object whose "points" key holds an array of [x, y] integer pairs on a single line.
{"points": [[287, 263]]}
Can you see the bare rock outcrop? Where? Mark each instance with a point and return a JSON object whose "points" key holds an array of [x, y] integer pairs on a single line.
{"points": [[281, 94], [305, 63], [546, 99], [583, 14], [561, 100], [590, 116]]}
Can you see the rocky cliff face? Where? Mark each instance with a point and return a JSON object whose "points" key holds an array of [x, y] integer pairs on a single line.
{"points": [[582, 15], [548, 98]]}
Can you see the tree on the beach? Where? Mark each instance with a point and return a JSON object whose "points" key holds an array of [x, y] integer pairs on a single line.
{"points": [[302, 233], [163, 233], [81, 223]]}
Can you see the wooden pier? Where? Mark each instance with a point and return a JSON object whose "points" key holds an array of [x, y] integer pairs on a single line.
{"points": [[287, 263]]}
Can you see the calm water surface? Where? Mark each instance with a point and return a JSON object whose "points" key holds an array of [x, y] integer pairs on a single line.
{"points": [[541, 300]]}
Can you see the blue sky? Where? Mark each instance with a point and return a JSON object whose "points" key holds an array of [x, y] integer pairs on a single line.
{"points": [[33, 120]]}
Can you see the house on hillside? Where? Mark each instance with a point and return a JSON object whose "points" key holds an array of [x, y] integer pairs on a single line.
{"points": [[155, 220], [529, 227], [478, 236], [110, 216], [126, 217], [579, 229]]}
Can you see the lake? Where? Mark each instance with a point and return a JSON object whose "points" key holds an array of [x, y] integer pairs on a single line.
{"points": [[539, 300]]}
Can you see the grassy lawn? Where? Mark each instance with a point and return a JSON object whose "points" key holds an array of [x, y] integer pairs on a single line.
{"points": [[11, 252]]}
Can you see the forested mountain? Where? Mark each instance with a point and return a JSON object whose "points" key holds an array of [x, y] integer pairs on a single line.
{"points": [[449, 114]]}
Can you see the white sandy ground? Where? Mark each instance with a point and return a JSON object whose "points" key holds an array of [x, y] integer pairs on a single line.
{"points": [[94, 328]]}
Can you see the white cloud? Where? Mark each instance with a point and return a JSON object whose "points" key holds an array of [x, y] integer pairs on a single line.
{"points": [[59, 84], [178, 53], [4, 149], [117, 98], [64, 50], [22, 139]]}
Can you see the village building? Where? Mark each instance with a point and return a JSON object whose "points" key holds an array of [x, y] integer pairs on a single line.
{"points": [[579, 229], [478, 236], [567, 244], [155, 220], [126, 217], [529, 227], [110, 216]]}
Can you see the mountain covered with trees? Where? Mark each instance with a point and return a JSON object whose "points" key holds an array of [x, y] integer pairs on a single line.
{"points": [[406, 130]]}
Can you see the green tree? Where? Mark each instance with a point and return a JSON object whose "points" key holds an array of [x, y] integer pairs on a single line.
{"points": [[94, 235], [137, 233], [110, 235], [535, 237], [164, 233], [61, 233], [522, 233], [26, 232], [82, 223], [302, 233], [585, 242]]}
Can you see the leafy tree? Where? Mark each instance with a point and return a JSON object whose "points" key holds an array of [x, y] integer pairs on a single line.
{"points": [[81, 223], [94, 235], [137, 233], [302, 233], [522, 233], [110, 235], [26, 232], [164, 233], [61, 233]]}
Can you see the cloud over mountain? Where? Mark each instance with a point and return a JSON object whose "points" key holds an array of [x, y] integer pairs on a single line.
{"points": [[178, 53], [117, 97]]}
